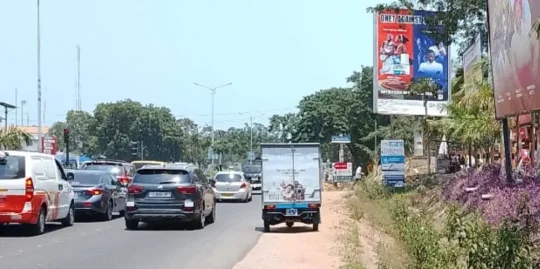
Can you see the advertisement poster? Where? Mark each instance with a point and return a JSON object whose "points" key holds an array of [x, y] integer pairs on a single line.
{"points": [[393, 162], [342, 172], [515, 55], [288, 180], [418, 144], [471, 57], [405, 52]]}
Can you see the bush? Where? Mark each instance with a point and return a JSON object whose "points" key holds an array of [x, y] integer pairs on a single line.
{"points": [[505, 198]]}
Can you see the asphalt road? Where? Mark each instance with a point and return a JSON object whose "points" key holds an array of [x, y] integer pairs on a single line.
{"points": [[96, 244]]}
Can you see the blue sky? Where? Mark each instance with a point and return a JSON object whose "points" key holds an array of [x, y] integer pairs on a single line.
{"points": [[273, 52]]}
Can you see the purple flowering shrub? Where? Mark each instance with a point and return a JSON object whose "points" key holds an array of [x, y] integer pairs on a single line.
{"points": [[505, 199]]}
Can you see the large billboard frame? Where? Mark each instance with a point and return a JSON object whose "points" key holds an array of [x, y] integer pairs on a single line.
{"points": [[435, 108]]}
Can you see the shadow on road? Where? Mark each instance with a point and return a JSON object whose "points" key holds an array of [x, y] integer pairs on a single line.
{"points": [[93, 218], [17, 230], [178, 226], [287, 230]]}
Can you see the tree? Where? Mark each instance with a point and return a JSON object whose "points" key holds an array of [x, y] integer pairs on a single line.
{"points": [[13, 138]]}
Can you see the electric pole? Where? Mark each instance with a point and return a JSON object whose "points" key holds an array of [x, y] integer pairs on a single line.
{"points": [[40, 134], [213, 93]]}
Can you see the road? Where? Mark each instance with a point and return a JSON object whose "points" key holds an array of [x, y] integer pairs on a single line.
{"points": [[95, 244]]}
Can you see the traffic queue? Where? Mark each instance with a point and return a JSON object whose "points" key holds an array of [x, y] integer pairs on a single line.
{"points": [[36, 189]]}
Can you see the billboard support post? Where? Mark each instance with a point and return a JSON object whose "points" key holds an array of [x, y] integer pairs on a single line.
{"points": [[507, 156]]}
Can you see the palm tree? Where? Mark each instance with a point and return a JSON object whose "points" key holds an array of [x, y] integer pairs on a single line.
{"points": [[425, 87], [13, 138]]}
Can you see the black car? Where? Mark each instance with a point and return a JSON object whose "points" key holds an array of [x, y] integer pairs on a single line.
{"points": [[97, 193], [122, 170], [171, 193]]}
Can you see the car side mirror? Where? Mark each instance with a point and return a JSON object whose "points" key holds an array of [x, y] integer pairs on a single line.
{"points": [[70, 176]]}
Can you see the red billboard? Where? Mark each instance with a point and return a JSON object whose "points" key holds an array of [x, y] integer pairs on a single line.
{"points": [[515, 56]]}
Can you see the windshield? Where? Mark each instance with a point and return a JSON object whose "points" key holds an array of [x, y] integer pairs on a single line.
{"points": [[111, 168], [157, 176], [86, 178], [138, 165], [12, 167], [252, 169], [228, 178]]}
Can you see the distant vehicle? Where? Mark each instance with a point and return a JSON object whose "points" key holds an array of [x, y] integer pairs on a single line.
{"points": [[97, 193], [291, 184], [171, 193], [34, 190], [139, 164], [252, 172], [232, 185], [122, 170]]}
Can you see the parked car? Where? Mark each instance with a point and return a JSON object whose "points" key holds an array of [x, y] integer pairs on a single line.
{"points": [[34, 190], [232, 185], [97, 193], [171, 193], [122, 170]]}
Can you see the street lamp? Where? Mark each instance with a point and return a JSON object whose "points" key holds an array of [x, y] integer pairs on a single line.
{"points": [[250, 129], [23, 102], [40, 134], [213, 93], [6, 107]]}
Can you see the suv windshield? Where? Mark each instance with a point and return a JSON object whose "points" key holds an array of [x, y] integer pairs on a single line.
{"points": [[252, 169], [159, 176], [115, 169], [92, 178], [228, 178], [12, 167]]}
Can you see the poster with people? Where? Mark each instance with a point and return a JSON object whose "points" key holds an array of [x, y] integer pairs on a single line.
{"points": [[405, 52], [291, 175], [515, 55]]}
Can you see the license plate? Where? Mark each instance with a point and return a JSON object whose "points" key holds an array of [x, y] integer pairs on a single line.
{"points": [[291, 212], [227, 194], [159, 194]]}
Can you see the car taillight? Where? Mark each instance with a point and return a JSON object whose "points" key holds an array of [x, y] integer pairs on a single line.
{"points": [[95, 191], [187, 190], [243, 185], [29, 189], [124, 180], [135, 189]]}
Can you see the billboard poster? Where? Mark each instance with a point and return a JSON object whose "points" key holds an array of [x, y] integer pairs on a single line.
{"points": [[515, 55], [472, 55], [405, 52]]}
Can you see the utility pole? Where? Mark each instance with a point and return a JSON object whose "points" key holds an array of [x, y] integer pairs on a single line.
{"points": [[213, 93], [79, 101], [40, 134], [23, 102], [16, 109]]}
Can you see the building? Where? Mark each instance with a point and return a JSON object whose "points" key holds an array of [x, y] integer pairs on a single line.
{"points": [[33, 131]]}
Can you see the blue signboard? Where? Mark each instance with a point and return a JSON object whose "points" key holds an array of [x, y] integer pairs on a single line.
{"points": [[393, 162], [341, 139]]}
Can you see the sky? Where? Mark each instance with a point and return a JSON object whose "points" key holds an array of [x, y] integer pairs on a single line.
{"points": [[153, 51]]}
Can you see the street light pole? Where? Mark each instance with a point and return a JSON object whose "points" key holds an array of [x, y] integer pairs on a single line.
{"points": [[40, 134], [213, 93], [23, 102]]}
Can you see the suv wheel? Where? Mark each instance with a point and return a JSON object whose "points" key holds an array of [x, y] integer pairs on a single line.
{"points": [[132, 224], [39, 227], [199, 222], [212, 217]]}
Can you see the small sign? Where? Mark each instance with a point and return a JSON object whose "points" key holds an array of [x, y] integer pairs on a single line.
{"points": [[251, 155], [341, 139], [342, 172]]}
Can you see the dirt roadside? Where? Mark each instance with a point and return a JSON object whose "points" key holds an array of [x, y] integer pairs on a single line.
{"points": [[299, 247]]}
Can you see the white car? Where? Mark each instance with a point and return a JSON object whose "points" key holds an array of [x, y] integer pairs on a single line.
{"points": [[34, 190], [232, 185]]}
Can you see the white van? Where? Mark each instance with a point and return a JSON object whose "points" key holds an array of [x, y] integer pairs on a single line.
{"points": [[34, 190]]}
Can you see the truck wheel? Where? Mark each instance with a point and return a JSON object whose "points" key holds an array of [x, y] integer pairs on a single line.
{"points": [[132, 224], [266, 226], [315, 227], [290, 224]]}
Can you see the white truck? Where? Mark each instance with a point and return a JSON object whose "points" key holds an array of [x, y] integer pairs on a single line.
{"points": [[291, 184]]}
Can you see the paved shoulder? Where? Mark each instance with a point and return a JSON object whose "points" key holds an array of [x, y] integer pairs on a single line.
{"points": [[90, 245]]}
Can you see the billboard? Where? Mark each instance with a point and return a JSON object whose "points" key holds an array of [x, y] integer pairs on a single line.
{"points": [[515, 55], [404, 52], [472, 55]]}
